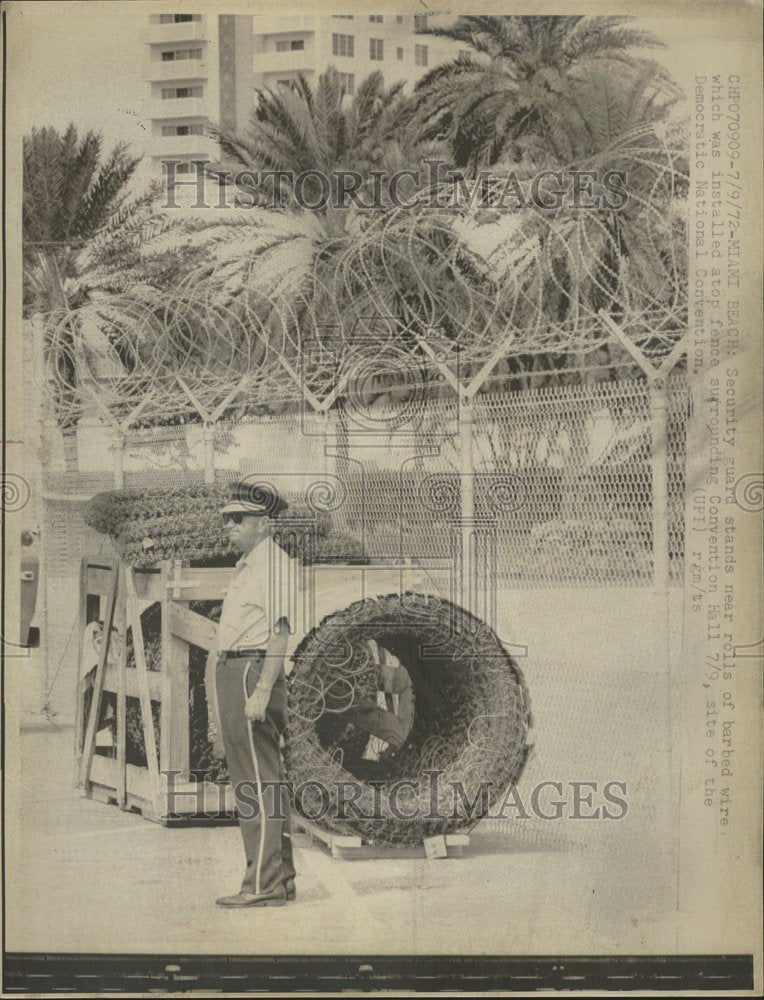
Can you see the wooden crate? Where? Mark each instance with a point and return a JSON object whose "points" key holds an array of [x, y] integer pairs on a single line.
{"points": [[118, 594]]}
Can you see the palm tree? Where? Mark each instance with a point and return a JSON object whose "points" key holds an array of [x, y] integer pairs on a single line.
{"points": [[629, 262], [300, 128], [68, 196], [251, 262], [546, 93], [482, 104]]}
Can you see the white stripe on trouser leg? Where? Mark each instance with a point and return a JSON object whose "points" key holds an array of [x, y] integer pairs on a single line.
{"points": [[260, 802]]}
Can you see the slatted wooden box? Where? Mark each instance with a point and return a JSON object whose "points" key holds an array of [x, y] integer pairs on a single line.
{"points": [[116, 595]]}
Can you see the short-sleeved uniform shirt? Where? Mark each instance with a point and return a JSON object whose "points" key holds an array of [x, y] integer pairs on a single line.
{"points": [[264, 590]]}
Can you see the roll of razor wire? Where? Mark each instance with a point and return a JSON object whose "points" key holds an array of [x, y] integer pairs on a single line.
{"points": [[430, 770]]}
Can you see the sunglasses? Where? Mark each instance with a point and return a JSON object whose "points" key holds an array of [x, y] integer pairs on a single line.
{"points": [[236, 518], [233, 518]]}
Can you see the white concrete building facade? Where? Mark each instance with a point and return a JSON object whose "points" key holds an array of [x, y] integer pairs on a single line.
{"points": [[356, 44], [194, 64], [205, 69]]}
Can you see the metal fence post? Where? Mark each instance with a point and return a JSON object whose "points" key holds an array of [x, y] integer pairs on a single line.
{"points": [[38, 484], [467, 497], [327, 436], [209, 452], [39, 378], [659, 470]]}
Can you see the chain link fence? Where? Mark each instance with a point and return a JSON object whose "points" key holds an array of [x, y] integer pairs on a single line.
{"points": [[561, 480], [561, 477]]}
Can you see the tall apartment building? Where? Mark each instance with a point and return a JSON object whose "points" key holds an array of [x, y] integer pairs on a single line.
{"points": [[199, 72], [357, 44], [206, 68]]}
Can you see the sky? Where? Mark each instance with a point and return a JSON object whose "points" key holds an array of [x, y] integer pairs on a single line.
{"points": [[83, 62]]}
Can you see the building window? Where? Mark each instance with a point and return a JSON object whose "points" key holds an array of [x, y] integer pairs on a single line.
{"points": [[399, 18], [287, 46], [178, 18], [172, 55], [347, 81], [183, 168], [376, 18], [376, 49], [195, 129], [169, 93], [284, 83], [343, 17], [420, 55], [343, 45], [464, 53], [399, 52], [420, 22]]}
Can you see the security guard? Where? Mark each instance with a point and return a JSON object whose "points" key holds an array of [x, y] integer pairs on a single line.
{"points": [[251, 693]]}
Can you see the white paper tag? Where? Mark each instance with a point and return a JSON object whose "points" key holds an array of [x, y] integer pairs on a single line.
{"points": [[435, 847]]}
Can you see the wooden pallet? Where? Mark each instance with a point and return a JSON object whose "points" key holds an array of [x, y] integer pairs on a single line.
{"points": [[189, 800], [353, 848]]}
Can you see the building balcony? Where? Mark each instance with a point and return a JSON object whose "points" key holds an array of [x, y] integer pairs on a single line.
{"points": [[179, 107], [198, 147], [159, 71], [268, 25], [282, 62], [185, 31]]}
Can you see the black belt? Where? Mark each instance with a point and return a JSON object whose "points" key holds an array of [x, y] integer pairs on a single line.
{"points": [[243, 652]]}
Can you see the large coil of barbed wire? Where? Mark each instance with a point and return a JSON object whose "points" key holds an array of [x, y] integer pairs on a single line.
{"points": [[408, 719]]}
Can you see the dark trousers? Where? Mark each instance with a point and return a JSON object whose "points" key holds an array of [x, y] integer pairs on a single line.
{"points": [[256, 767]]}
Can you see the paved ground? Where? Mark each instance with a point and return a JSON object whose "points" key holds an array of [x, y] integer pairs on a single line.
{"points": [[89, 877], [84, 876]]}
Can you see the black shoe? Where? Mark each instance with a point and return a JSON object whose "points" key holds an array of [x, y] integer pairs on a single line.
{"points": [[277, 897], [289, 888]]}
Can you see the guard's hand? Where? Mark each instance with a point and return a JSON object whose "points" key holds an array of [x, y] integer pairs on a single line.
{"points": [[256, 705], [214, 737]]}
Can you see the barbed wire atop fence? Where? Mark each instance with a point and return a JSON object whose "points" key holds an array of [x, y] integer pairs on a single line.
{"points": [[298, 306]]}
